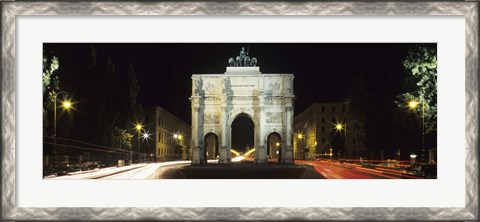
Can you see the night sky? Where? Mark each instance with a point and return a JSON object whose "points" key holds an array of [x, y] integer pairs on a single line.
{"points": [[323, 72]]}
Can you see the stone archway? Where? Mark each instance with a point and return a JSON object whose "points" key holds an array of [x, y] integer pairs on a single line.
{"points": [[217, 99]]}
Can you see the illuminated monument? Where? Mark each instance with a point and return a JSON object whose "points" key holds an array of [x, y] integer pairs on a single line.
{"points": [[218, 99]]}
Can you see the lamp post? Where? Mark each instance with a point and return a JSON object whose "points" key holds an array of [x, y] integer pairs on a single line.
{"points": [[413, 104], [138, 127], [412, 157], [146, 137], [178, 138], [299, 139], [66, 105], [339, 127]]}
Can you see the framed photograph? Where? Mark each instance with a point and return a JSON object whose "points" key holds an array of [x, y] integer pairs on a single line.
{"points": [[240, 110]]}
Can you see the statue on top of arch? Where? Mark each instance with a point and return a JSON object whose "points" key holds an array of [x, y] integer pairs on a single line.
{"points": [[243, 59]]}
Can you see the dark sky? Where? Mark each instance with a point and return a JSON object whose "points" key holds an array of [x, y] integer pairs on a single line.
{"points": [[322, 71]]}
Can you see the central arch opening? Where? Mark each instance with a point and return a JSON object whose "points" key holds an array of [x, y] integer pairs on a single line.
{"points": [[242, 133]]}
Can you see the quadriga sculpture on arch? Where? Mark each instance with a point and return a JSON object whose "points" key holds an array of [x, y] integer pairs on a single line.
{"points": [[243, 59]]}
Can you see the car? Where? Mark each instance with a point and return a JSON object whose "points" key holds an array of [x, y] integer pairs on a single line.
{"points": [[427, 171]]}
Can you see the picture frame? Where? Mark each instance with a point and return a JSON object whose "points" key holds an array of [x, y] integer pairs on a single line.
{"points": [[11, 11]]}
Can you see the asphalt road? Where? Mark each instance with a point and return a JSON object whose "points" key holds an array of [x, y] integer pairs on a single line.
{"points": [[238, 171], [302, 169]]}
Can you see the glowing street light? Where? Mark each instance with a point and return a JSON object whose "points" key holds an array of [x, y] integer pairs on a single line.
{"points": [[177, 136], [299, 136], [412, 157], [67, 104], [339, 127], [413, 104]]}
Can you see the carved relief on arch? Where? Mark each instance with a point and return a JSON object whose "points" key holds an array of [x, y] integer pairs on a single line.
{"points": [[210, 87], [274, 86], [211, 118], [274, 117]]}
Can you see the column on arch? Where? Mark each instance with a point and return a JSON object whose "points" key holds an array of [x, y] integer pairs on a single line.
{"points": [[261, 150], [196, 148], [287, 154], [224, 149]]}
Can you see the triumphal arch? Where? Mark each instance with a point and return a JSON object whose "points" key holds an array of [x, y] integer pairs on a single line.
{"points": [[218, 99]]}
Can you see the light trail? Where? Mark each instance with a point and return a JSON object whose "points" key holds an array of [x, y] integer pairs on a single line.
{"points": [[336, 170], [249, 152], [234, 152], [135, 171]]}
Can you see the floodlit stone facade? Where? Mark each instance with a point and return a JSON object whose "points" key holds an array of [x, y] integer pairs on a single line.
{"points": [[317, 127], [217, 99], [162, 127]]}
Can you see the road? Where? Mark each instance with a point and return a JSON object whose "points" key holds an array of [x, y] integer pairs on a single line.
{"points": [[337, 170], [135, 171], [303, 169]]}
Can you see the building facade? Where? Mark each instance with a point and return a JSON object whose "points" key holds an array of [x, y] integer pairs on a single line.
{"points": [[324, 130], [218, 99], [170, 136]]}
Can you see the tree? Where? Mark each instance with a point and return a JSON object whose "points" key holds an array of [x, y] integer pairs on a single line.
{"points": [[50, 84], [421, 86], [122, 138]]}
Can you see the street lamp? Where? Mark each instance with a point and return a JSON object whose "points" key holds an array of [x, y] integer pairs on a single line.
{"points": [[178, 137], [412, 157], [66, 105], [146, 137], [339, 127], [413, 105], [138, 127], [302, 150], [300, 136]]}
